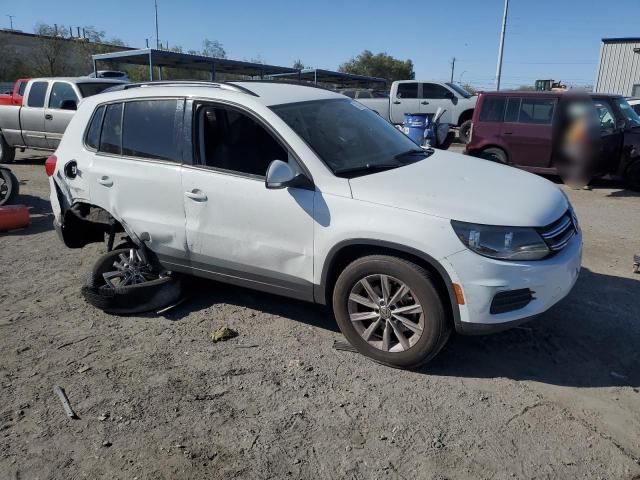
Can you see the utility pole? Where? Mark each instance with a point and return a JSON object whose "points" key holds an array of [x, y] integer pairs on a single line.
{"points": [[453, 67], [157, 39], [501, 48], [11, 17]]}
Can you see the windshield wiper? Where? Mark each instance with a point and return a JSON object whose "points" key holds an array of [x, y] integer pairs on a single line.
{"points": [[369, 167], [414, 151]]}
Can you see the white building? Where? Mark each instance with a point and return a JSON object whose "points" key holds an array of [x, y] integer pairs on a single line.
{"points": [[619, 67]]}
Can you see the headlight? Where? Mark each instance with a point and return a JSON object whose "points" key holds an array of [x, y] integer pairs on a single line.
{"points": [[504, 243]]}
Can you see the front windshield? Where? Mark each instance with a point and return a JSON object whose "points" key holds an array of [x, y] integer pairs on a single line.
{"points": [[459, 89], [631, 118], [348, 136]]}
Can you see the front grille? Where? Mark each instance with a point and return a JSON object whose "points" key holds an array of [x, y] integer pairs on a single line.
{"points": [[558, 234], [510, 300]]}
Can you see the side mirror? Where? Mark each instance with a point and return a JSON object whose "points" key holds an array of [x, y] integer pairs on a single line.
{"points": [[281, 175], [69, 105]]}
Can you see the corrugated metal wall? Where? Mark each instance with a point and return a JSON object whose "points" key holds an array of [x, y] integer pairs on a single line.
{"points": [[619, 68]]}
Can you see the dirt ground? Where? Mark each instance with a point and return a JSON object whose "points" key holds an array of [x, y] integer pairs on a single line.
{"points": [[157, 399]]}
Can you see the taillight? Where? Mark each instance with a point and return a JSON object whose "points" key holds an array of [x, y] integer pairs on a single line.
{"points": [[50, 165]]}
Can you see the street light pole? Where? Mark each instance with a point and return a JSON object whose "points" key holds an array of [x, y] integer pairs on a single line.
{"points": [[453, 67], [157, 38], [501, 48], [11, 17]]}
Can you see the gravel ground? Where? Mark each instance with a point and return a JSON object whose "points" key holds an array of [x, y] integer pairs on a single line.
{"points": [[157, 399]]}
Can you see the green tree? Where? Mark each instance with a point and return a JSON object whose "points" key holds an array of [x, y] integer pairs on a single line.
{"points": [[379, 65], [213, 48]]}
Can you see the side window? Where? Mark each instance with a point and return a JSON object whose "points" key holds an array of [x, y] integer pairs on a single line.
{"points": [[365, 94], [61, 92], [536, 111], [605, 116], [21, 87], [230, 140], [37, 93], [407, 90], [111, 137], [150, 129], [93, 132], [492, 109], [513, 110], [349, 93], [435, 91]]}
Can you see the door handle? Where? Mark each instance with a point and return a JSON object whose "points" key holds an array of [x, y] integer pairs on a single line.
{"points": [[196, 195], [48, 116], [507, 133], [397, 102], [425, 103], [106, 181]]}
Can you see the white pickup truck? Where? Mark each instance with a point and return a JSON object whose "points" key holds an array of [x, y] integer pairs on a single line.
{"points": [[46, 110], [413, 96]]}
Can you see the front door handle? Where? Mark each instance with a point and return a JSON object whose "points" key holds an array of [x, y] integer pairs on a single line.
{"points": [[48, 116], [507, 133], [425, 103], [106, 181], [196, 195], [397, 102]]}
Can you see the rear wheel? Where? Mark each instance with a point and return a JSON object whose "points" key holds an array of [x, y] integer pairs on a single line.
{"points": [[9, 186], [389, 309], [7, 153], [632, 175], [495, 154], [464, 132]]}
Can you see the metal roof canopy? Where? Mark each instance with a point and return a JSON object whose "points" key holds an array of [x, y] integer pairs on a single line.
{"points": [[166, 58], [317, 75]]}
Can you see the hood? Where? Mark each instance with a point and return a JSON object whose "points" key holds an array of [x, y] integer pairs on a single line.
{"points": [[469, 189]]}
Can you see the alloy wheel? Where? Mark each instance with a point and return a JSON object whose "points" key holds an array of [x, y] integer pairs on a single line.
{"points": [[386, 313], [129, 270]]}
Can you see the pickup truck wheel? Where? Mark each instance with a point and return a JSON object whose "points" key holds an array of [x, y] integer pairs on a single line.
{"points": [[494, 154], [9, 186], [7, 153], [464, 132], [632, 176], [389, 310], [121, 282]]}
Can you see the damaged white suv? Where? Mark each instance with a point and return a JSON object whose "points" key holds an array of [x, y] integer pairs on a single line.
{"points": [[305, 193]]}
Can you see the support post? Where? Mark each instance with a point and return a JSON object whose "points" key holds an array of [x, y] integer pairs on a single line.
{"points": [[213, 72], [150, 67], [95, 67]]}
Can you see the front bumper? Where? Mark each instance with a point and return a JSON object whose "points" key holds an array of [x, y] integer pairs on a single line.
{"points": [[481, 278]]}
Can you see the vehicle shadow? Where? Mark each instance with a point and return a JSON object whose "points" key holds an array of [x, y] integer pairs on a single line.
{"points": [[590, 339], [601, 183], [36, 159]]}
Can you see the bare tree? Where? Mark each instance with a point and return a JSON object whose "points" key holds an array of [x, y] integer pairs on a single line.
{"points": [[54, 47]]}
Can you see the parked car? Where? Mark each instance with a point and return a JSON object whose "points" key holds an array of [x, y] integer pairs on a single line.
{"points": [[306, 193], [410, 96], [114, 74], [42, 118], [15, 96], [524, 129]]}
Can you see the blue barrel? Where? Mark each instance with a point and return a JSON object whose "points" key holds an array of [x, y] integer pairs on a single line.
{"points": [[417, 126]]}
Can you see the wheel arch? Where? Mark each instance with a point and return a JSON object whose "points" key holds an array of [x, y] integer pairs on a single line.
{"points": [[347, 251], [84, 223], [465, 115]]}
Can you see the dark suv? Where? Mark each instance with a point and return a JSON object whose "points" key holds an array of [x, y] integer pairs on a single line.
{"points": [[524, 129]]}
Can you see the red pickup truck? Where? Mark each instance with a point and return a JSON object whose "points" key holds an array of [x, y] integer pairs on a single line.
{"points": [[15, 97]]}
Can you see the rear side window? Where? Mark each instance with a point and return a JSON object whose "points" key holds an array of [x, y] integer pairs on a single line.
{"points": [[538, 111], [407, 90], [150, 129], [93, 133], [492, 109], [513, 110], [111, 138], [37, 93]]}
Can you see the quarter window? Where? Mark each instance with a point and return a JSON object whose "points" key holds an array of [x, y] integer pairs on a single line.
{"points": [[111, 138], [37, 93], [61, 92], [407, 90], [536, 111], [150, 129], [492, 109], [93, 133]]}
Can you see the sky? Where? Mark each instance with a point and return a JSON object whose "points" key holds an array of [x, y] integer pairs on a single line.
{"points": [[545, 39]]}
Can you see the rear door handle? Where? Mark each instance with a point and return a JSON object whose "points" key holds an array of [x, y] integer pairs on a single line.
{"points": [[507, 133], [106, 181], [196, 195], [397, 102], [48, 116], [425, 103]]}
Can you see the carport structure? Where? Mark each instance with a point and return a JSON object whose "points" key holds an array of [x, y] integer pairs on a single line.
{"points": [[166, 58], [338, 79]]}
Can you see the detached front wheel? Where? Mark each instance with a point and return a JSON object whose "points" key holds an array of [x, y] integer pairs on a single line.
{"points": [[9, 186], [389, 309], [122, 282]]}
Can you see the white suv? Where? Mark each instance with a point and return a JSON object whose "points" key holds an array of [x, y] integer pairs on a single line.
{"points": [[305, 193]]}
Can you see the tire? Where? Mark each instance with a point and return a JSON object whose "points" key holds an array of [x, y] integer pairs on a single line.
{"points": [[155, 293], [9, 187], [7, 153], [464, 132], [632, 176], [420, 346], [495, 154]]}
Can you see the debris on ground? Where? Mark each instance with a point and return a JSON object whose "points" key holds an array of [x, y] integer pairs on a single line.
{"points": [[65, 401], [222, 334]]}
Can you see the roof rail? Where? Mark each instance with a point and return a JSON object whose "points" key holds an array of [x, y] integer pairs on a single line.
{"points": [[182, 83]]}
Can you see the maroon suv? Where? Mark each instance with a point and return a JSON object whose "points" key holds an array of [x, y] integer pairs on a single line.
{"points": [[524, 129]]}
